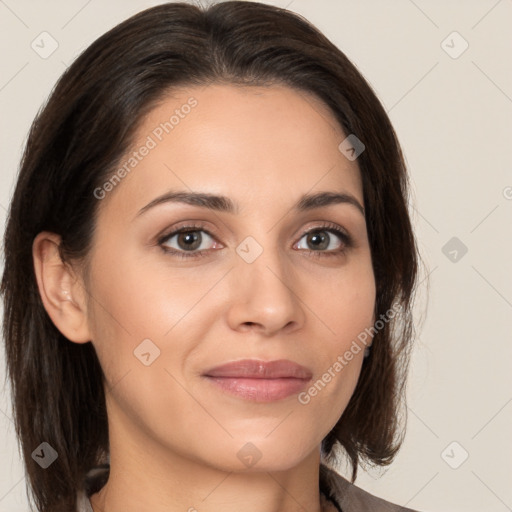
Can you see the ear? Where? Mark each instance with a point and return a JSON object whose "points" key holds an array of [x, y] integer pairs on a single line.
{"points": [[62, 292]]}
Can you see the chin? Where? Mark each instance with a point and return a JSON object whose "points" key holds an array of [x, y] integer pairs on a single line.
{"points": [[262, 453]]}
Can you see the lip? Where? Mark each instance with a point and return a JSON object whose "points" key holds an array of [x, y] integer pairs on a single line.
{"points": [[260, 381]]}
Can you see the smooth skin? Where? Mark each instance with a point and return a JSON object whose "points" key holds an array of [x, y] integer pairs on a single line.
{"points": [[174, 436]]}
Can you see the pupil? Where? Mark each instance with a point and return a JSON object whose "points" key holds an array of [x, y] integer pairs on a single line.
{"points": [[189, 239], [320, 238]]}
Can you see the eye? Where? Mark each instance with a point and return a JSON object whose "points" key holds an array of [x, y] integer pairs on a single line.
{"points": [[324, 243], [189, 242]]}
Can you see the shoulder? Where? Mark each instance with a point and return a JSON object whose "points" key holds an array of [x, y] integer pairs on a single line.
{"points": [[351, 498]]}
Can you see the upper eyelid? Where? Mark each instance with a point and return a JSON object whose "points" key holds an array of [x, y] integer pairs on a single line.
{"points": [[176, 230]]}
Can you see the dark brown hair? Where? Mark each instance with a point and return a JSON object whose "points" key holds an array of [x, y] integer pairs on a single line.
{"points": [[74, 144]]}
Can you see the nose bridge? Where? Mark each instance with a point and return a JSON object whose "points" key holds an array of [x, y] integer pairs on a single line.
{"points": [[261, 262], [264, 288]]}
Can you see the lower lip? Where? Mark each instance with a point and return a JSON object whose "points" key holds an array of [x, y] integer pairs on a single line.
{"points": [[260, 390]]}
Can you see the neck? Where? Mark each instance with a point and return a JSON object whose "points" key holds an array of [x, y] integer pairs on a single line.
{"points": [[195, 488], [145, 477]]}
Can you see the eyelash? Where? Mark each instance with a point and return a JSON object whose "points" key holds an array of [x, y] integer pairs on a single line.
{"points": [[327, 227]]}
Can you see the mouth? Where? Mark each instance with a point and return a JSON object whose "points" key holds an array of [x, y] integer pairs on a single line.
{"points": [[260, 381]]}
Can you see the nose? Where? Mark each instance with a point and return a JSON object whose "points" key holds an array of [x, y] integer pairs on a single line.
{"points": [[264, 296]]}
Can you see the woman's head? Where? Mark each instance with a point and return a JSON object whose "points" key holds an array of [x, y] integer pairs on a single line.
{"points": [[240, 100]]}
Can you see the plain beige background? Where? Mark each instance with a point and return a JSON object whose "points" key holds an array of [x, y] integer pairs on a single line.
{"points": [[451, 106]]}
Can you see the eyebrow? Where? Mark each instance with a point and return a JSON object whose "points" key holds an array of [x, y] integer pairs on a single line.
{"points": [[226, 205]]}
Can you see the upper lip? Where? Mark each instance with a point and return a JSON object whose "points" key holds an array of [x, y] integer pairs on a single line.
{"points": [[258, 369]]}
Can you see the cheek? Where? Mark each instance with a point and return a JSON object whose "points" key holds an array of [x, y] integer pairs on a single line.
{"points": [[126, 308], [134, 299], [348, 303], [347, 312]]}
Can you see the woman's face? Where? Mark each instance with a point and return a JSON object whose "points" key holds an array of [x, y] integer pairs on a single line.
{"points": [[247, 282]]}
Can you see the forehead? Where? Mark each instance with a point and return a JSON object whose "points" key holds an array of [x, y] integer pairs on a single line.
{"points": [[255, 144]]}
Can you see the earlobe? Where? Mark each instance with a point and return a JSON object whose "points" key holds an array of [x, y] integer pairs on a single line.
{"points": [[61, 290]]}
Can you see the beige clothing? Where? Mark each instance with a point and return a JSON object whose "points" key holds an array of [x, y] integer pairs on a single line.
{"points": [[345, 496]]}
